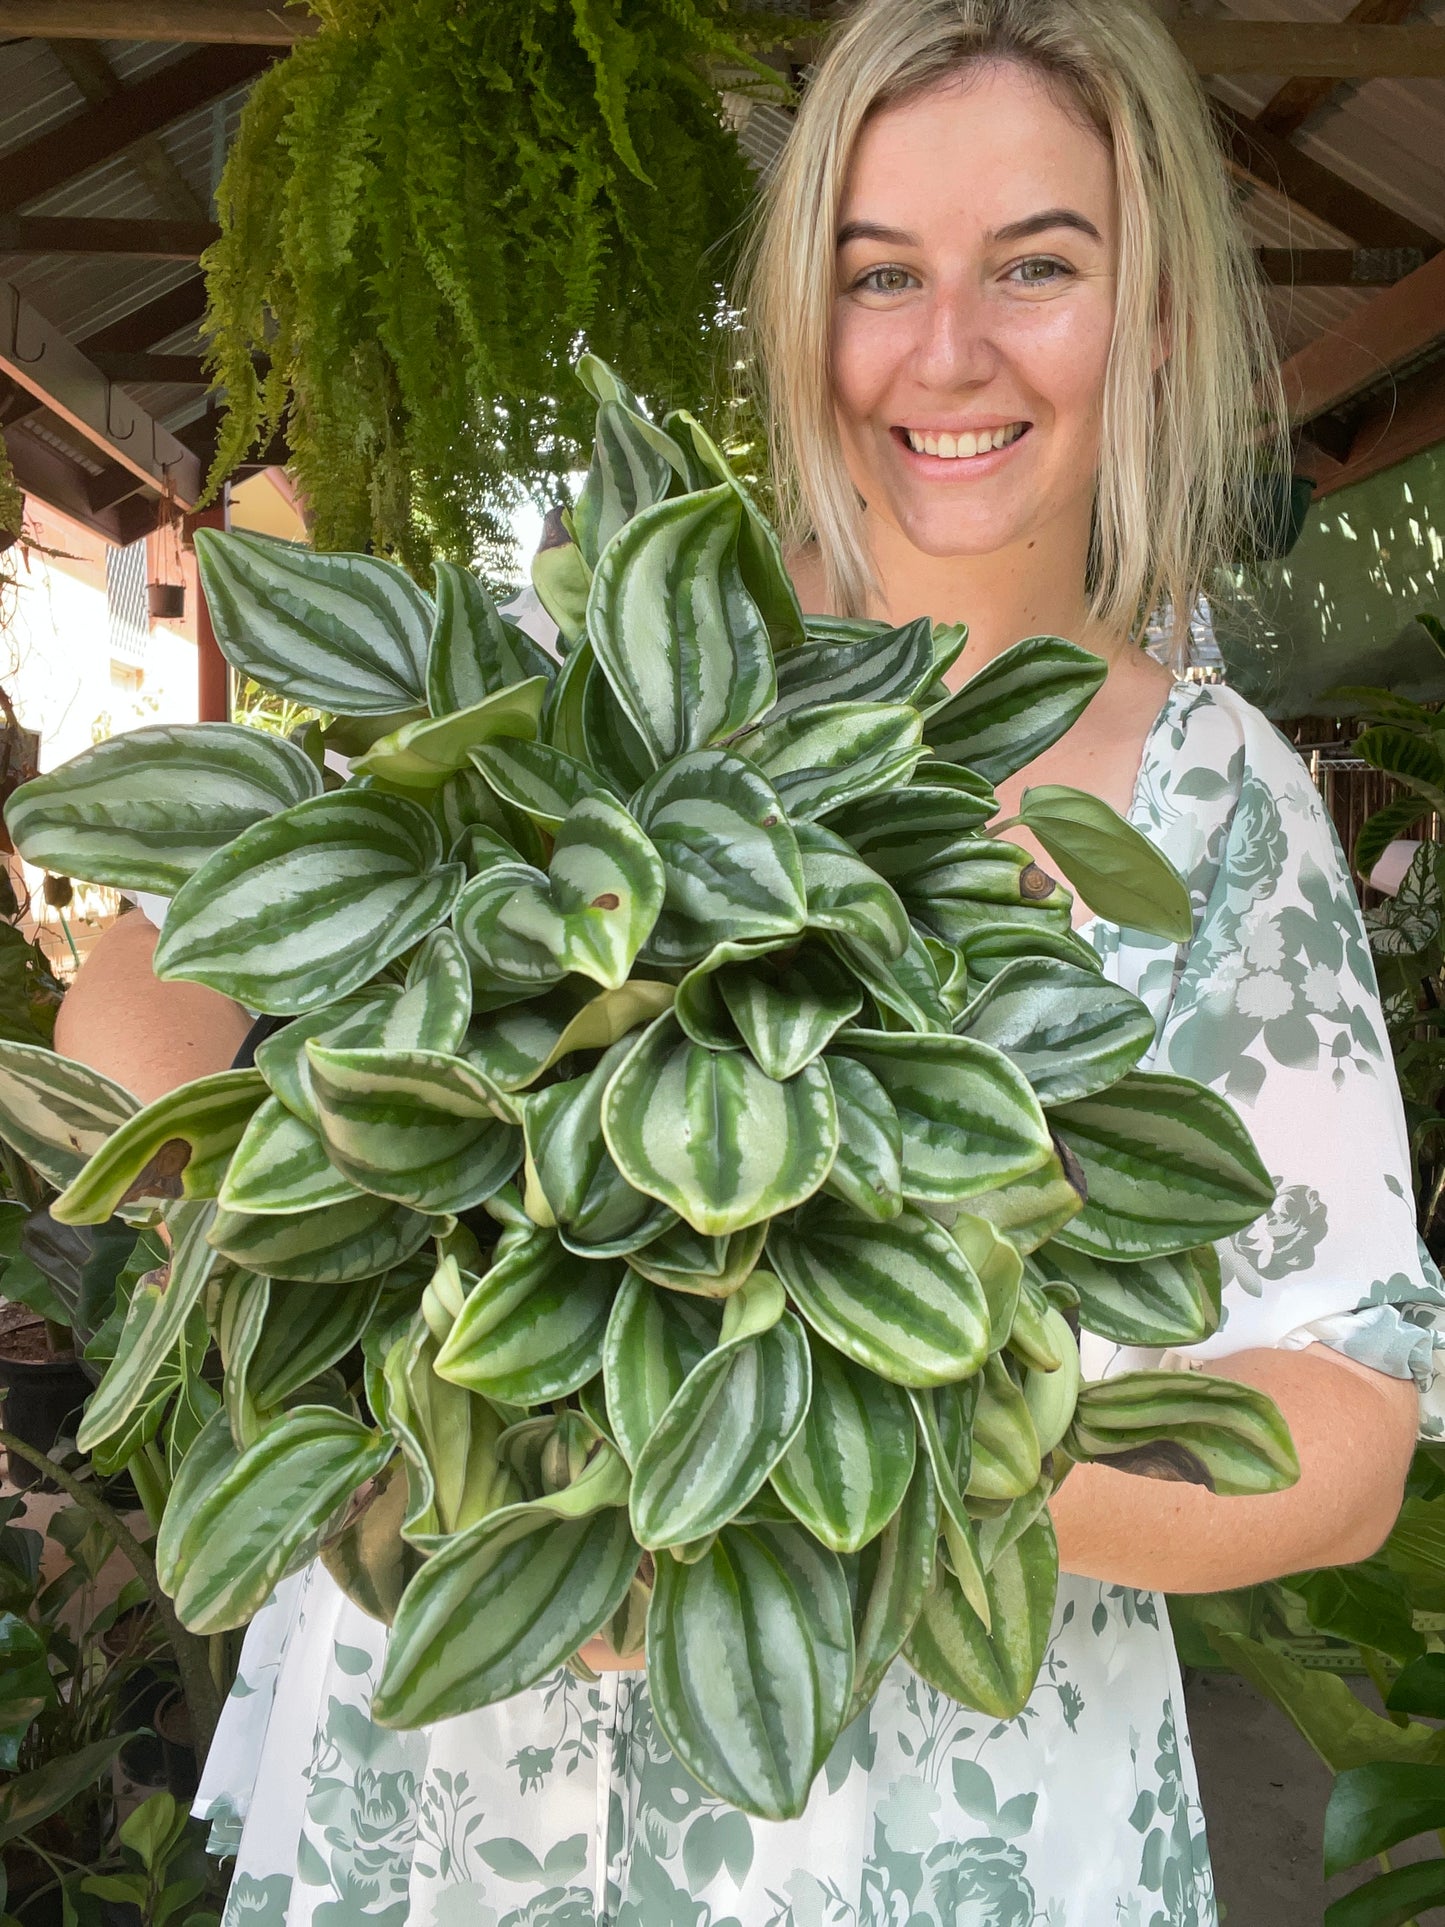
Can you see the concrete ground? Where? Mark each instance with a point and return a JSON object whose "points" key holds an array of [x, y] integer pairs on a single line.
{"points": [[1264, 1792]]}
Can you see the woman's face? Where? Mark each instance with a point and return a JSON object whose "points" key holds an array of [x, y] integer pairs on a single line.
{"points": [[974, 306]]}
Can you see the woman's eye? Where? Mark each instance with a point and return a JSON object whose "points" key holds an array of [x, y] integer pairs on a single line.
{"points": [[1040, 271], [884, 280]]}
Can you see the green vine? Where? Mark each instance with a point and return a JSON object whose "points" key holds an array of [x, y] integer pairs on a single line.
{"points": [[428, 208]]}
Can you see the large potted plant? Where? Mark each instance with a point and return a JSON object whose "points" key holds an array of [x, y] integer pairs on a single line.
{"points": [[695, 1137]]}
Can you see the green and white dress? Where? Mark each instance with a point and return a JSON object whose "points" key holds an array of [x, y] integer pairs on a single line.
{"points": [[565, 1806]]}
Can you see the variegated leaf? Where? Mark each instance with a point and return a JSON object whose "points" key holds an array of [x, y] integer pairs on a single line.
{"points": [[345, 633], [1167, 1165], [56, 1112], [474, 651], [1068, 1030], [711, 1135], [1034, 1208], [1190, 1426], [1016, 706], [466, 801], [512, 1047], [904, 833], [846, 896], [1005, 1445], [281, 1164], [144, 811], [867, 1172], [308, 905], [981, 883], [991, 1671], [846, 1473], [899, 1298], [1166, 1301], [634, 464], [968, 1120], [997, 1266], [822, 759], [679, 638], [990, 948], [281, 1058], [421, 755], [177, 1147], [699, 1006], [724, 1430], [731, 861], [562, 580], [419, 1127], [568, 1163], [653, 1340], [685, 1260], [895, 1570], [329, 1246], [788, 1008], [543, 782], [531, 1328], [259, 1516], [303, 1331], [435, 1006], [750, 1664], [892, 666]]}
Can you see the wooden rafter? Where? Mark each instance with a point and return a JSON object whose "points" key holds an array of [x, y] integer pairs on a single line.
{"points": [[89, 68], [99, 133], [1298, 49], [70, 234], [1405, 419], [1337, 267], [166, 315], [1383, 333], [1291, 105], [1274, 163], [254, 23], [185, 369]]}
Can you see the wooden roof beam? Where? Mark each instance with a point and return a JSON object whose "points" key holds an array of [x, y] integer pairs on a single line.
{"points": [[69, 234], [86, 63], [251, 23], [167, 314], [1261, 156], [1292, 104], [1389, 429], [37, 356], [42, 471], [1337, 267], [1300, 49], [101, 132], [1383, 333]]}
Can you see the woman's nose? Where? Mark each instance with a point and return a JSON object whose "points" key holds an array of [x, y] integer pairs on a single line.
{"points": [[956, 345]]}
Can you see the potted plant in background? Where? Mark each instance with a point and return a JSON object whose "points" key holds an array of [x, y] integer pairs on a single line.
{"points": [[675, 1048]]}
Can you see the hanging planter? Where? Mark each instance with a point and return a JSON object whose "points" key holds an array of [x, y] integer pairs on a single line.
{"points": [[166, 601], [166, 594]]}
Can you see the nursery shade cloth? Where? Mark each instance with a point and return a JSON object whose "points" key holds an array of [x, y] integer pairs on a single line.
{"points": [[565, 1808]]}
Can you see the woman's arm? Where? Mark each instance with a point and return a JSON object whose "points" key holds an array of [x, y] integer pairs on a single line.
{"points": [[1354, 1430], [149, 1036]]}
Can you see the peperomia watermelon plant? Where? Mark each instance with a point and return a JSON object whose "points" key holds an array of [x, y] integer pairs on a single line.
{"points": [[695, 1139]]}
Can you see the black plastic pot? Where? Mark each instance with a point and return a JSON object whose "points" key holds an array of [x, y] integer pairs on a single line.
{"points": [[173, 1729], [167, 600], [41, 1401]]}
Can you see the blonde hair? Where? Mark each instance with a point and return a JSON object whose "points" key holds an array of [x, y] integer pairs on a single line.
{"points": [[1178, 445]]}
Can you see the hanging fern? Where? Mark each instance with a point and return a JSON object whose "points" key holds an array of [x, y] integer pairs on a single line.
{"points": [[429, 208]]}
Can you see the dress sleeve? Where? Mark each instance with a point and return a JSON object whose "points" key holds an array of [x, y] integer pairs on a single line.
{"points": [[1276, 1005]]}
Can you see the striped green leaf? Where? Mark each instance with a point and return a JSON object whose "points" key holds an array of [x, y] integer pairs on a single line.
{"points": [[562, 711], [821, 759], [591, 914], [967, 1118], [474, 651], [905, 988], [904, 833], [177, 1147], [997, 1266], [568, 1162], [988, 949], [750, 1664], [543, 782], [421, 755], [302, 1333], [55, 1112], [846, 896], [260, 1516], [367, 1557], [615, 751], [419, 1127], [143, 811], [1114, 867], [1035, 1208], [981, 883], [895, 1570], [1191, 1426], [787, 1009], [450, 1439], [898, 1298], [699, 1006], [846, 1473], [653, 1340], [308, 905], [713, 1136], [435, 1006], [688, 1261], [991, 1671], [1068, 1030], [633, 467], [1006, 1457], [731, 861], [1173, 1300], [1167, 1165], [1052, 1396], [467, 801], [725, 1429], [513, 1047], [345, 633], [531, 1328], [893, 666], [676, 633], [146, 1347], [500, 1606], [281, 1164], [281, 1058], [760, 556], [211, 1456], [1016, 706], [867, 1173], [329, 1246]]}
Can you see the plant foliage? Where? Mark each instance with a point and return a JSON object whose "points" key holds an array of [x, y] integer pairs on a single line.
{"points": [[692, 1146], [427, 208]]}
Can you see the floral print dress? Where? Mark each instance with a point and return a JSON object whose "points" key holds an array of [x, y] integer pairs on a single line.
{"points": [[565, 1807]]}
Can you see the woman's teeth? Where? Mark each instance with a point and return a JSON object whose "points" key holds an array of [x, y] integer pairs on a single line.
{"points": [[960, 447]]}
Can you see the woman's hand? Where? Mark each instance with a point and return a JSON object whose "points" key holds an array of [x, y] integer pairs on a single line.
{"points": [[604, 1658], [1354, 1430]]}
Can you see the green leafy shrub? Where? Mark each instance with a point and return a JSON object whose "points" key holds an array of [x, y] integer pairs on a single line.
{"points": [[694, 1142]]}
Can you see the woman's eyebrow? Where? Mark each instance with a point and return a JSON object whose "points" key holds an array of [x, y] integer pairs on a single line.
{"points": [[1049, 217]]}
